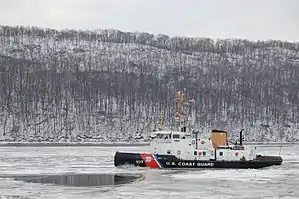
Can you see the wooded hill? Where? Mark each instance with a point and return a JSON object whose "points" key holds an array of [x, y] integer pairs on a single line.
{"points": [[106, 85]]}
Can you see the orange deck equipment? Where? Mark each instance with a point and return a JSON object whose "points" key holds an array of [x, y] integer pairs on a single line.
{"points": [[219, 138]]}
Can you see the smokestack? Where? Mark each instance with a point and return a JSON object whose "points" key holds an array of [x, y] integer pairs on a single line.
{"points": [[241, 137]]}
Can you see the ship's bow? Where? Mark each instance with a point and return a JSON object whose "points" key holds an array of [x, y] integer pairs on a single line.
{"points": [[122, 158]]}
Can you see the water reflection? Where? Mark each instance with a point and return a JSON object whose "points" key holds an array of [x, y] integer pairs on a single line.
{"points": [[82, 180]]}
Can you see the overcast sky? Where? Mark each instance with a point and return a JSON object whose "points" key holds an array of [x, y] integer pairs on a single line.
{"points": [[251, 19]]}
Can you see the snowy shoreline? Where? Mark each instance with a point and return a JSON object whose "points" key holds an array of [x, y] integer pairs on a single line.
{"points": [[101, 144], [63, 144]]}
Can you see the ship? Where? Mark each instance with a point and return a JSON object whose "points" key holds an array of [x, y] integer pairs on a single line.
{"points": [[174, 149]]}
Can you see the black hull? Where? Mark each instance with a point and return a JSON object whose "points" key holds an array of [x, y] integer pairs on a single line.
{"points": [[172, 162]]}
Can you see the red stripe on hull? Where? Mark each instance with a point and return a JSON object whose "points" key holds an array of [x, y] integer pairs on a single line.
{"points": [[150, 161]]}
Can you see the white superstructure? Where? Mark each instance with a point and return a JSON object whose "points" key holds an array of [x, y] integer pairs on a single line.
{"points": [[188, 147]]}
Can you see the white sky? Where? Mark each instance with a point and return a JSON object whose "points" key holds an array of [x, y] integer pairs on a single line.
{"points": [[250, 19]]}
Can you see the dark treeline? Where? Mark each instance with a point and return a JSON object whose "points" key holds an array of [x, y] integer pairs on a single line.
{"points": [[83, 85]]}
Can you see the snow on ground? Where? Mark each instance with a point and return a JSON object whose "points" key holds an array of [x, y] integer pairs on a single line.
{"points": [[273, 182]]}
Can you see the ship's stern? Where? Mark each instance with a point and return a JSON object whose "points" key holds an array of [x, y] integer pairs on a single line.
{"points": [[273, 160]]}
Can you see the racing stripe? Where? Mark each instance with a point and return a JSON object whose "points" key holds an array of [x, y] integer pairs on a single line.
{"points": [[150, 161], [157, 160]]}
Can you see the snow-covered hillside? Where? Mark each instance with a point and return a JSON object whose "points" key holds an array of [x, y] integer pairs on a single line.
{"points": [[108, 85]]}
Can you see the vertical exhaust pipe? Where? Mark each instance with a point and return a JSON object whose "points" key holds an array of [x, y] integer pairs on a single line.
{"points": [[241, 137]]}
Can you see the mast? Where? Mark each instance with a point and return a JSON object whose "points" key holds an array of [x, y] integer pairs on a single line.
{"points": [[179, 98], [161, 122]]}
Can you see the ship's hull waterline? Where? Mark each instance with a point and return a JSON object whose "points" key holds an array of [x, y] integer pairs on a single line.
{"points": [[172, 162]]}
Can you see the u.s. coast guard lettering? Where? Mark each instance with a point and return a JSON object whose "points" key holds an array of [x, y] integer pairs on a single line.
{"points": [[190, 164]]}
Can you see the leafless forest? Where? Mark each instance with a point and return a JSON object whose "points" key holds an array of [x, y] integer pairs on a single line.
{"points": [[106, 85]]}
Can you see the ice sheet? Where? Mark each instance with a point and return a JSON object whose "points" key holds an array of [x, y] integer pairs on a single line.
{"points": [[273, 182]]}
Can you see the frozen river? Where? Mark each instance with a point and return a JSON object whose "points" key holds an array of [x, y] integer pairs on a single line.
{"points": [[273, 182]]}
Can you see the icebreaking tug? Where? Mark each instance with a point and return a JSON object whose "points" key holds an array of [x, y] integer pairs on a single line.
{"points": [[180, 149]]}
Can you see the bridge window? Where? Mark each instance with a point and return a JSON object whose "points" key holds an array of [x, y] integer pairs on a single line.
{"points": [[221, 153], [162, 136], [175, 136]]}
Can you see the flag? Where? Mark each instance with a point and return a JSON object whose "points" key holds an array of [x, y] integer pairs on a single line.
{"points": [[192, 100]]}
